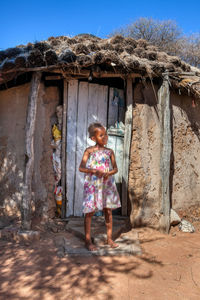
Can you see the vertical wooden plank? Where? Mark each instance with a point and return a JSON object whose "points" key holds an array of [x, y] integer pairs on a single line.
{"points": [[81, 145], [127, 144], [116, 142], [119, 147], [116, 106], [92, 108], [63, 153], [71, 144], [113, 108], [102, 93], [165, 117], [120, 140], [29, 150], [121, 106]]}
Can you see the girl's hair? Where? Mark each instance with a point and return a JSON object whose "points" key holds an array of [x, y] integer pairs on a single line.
{"points": [[92, 128]]}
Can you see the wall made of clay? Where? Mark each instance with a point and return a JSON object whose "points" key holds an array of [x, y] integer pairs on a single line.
{"points": [[13, 109], [144, 175], [44, 178], [13, 105], [186, 152]]}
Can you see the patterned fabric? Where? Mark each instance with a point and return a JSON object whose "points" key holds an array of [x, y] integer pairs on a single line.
{"points": [[100, 193]]}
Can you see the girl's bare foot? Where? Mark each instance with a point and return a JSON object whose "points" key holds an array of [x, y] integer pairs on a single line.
{"points": [[112, 244], [90, 246]]}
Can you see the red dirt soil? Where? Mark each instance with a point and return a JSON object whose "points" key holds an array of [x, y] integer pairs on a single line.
{"points": [[168, 269]]}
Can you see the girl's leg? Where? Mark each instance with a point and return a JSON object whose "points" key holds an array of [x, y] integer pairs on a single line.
{"points": [[87, 224], [108, 220]]}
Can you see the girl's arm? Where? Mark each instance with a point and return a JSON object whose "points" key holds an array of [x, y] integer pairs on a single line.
{"points": [[82, 167], [114, 165]]}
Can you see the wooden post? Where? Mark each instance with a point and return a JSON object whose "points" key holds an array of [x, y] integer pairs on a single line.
{"points": [[71, 144], [63, 155], [165, 135], [127, 144], [29, 150]]}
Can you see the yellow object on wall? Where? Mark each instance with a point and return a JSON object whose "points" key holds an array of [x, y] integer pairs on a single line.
{"points": [[56, 133]]}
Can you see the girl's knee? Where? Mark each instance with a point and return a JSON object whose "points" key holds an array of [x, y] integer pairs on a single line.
{"points": [[89, 215], [108, 211]]}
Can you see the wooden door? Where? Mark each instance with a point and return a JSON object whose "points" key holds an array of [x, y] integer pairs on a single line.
{"points": [[88, 103]]}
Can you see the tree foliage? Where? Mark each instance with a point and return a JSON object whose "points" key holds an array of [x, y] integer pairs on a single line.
{"points": [[190, 50], [167, 36]]}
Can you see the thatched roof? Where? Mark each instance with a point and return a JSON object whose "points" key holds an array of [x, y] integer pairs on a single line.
{"points": [[116, 55]]}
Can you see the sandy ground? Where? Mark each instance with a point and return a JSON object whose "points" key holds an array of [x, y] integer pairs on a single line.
{"points": [[168, 269]]}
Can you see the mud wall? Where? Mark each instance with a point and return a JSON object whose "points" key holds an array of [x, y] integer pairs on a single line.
{"points": [[186, 152], [43, 180], [144, 176], [13, 106]]}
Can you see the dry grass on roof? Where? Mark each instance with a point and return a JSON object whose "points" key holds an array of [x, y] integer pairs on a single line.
{"points": [[127, 54], [116, 54]]}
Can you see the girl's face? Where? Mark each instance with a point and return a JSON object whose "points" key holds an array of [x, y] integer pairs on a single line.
{"points": [[100, 137]]}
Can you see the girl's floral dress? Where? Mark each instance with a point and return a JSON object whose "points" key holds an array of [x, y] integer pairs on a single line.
{"points": [[100, 193]]}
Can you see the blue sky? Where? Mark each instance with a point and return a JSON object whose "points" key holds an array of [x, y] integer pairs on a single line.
{"points": [[29, 21]]}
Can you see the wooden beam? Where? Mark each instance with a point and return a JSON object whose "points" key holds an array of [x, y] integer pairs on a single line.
{"points": [[29, 150], [101, 74], [127, 144], [67, 72], [64, 153], [55, 77], [181, 73], [34, 69], [165, 154], [109, 75]]}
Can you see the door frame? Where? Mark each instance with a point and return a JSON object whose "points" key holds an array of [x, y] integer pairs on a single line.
{"points": [[126, 150]]}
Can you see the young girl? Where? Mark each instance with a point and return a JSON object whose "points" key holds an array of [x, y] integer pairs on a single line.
{"points": [[100, 192]]}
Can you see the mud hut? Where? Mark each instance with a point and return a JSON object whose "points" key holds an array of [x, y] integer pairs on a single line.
{"points": [[148, 100]]}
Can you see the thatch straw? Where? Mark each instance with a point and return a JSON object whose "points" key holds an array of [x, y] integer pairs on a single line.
{"points": [[21, 61], [51, 58], [36, 59], [117, 54], [42, 46], [8, 65], [67, 56]]}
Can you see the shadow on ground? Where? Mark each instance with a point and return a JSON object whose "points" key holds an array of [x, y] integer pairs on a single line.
{"points": [[35, 272]]}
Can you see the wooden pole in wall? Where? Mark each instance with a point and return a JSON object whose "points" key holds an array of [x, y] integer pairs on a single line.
{"points": [[165, 132], [63, 155], [127, 144], [29, 150]]}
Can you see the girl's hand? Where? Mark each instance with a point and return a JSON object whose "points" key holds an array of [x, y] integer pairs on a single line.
{"points": [[98, 173], [105, 175]]}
